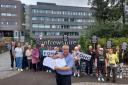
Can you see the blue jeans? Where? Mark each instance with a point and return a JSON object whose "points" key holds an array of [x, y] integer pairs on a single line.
{"points": [[19, 62]]}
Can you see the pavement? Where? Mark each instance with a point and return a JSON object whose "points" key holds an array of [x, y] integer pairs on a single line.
{"points": [[12, 77], [5, 71]]}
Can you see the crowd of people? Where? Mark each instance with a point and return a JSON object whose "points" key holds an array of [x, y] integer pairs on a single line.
{"points": [[104, 61]]}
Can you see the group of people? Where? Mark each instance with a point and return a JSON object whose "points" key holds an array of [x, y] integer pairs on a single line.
{"points": [[105, 61], [25, 56]]}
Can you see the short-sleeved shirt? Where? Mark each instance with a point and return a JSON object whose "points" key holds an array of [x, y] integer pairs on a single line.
{"points": [[70, 62], [18, 52]]}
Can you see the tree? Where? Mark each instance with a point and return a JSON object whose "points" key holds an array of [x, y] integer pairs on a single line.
{"points": [[82, 42], [106, 10]]}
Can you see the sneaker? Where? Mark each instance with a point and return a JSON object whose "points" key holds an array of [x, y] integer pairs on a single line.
{"points": [[91, 74], [102, 79], [121, 76], [11, 68], [18, 69], [113, 81], [99, 79], [21, 69], [117, 76], [85, 74], [78, 75], [47, 71], [74, 74]]}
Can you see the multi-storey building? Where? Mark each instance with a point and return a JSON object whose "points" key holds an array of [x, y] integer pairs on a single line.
{"points": [[50, 22], [10, 18]]}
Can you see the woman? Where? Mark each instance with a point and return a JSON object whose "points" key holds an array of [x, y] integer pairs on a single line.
{"points": [[35, 57], [28, 53], [19, 56], [112, 60], [77, 62]]}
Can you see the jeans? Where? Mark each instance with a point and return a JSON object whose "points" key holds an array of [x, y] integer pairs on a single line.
{"points": [[19, 62], [89, 66], [113, 68], [12, 60]]}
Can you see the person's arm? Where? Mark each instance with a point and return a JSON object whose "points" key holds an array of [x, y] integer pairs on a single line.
{"points": [[67, 67], [56, 56], [63, 68]]}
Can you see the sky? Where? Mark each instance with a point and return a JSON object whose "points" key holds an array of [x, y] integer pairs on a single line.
{"points": [[80, 3]]}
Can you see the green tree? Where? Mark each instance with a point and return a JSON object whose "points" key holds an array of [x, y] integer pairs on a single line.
{"points": [[106, 10], [83, 44]]}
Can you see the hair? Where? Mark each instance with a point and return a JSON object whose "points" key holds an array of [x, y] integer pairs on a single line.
{"points": [[67, 46]]}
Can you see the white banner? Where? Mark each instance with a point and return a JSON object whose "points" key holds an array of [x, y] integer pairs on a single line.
{"points": [[48, 52], [51, 63], [84, 56]]}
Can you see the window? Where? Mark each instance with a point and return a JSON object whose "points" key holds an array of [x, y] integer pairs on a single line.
{"points": [[3, 14], [8, 6], [8, 14], [35, 25]]}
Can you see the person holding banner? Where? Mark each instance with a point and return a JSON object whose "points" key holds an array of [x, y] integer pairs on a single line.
{"points": [[63, 74]]}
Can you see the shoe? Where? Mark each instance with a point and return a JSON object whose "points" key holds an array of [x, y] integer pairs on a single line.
{"points": [[117, 76], [78, 75], [121, 76], [11, 68], [99, 79], [113, 81], [47, 71], [18, 69], [85, 74], [21, 69], [102, 79], [91, 74], [50, 71], [107, 79], [74, 74]]}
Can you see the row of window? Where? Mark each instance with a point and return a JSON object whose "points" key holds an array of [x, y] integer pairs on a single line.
{"points": [[37, 34], [56, 26], [8, 14], [61, 19], [8, 6], [61, 12], [8, 23]]}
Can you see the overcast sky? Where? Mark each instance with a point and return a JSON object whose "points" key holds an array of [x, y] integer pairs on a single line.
{"points": [[81, 3]]}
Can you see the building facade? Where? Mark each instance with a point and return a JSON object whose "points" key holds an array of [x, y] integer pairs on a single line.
{"points": [[50, 22], [11, 18]]}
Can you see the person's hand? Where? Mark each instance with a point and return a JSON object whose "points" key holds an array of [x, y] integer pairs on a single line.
{"points": [[59, 55], [56, 68]]}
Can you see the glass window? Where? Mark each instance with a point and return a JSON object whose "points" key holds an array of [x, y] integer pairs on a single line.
{"points": [[35, 25]]}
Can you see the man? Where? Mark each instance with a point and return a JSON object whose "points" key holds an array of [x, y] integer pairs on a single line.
{"points": [[63, 74], [12, 54]]}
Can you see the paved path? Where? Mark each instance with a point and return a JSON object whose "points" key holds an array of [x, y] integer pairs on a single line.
{"points": [[5, 66], [9, 77]]}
